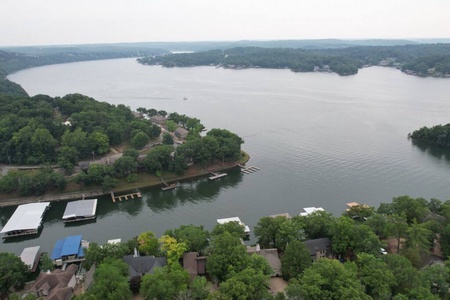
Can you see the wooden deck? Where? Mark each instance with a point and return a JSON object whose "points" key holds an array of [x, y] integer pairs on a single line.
{"points": [[130, 196]]}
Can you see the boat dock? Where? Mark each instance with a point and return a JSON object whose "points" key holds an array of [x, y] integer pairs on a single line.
{"points": [[248, 170], [115, 198], [216, 175], [167, 186]]}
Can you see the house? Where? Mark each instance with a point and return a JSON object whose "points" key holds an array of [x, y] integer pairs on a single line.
{"points": [[141, 265], [159, 120], [271, 256], [56, 285], [70, 249], [181, 133], [194, 264], [318, 248]]}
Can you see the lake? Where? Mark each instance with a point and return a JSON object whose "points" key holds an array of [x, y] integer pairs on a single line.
{"points": [[319, 139]]}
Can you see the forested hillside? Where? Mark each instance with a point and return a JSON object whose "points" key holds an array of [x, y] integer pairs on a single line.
{"points": [[427, 59]]}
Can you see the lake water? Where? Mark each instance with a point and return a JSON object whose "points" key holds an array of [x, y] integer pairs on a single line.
{"points": [[319, 140]]}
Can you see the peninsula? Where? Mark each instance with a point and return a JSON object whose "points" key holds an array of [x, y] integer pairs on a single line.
{"points": [[59, 148]]}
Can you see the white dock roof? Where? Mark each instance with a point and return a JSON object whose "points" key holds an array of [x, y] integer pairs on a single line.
{"points": [[234, 219], [28, 256], [310, 210], [226, 220], [26, 217], [80, 208]]}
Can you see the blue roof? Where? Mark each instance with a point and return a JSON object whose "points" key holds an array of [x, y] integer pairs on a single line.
{"points": [[56, 253], [69, 246]]}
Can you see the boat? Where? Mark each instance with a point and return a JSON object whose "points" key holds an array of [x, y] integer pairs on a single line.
{"points": [[80, 210], [184, 98]]}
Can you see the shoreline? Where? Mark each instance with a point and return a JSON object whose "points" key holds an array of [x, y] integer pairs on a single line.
{"points": [[191, 173]]}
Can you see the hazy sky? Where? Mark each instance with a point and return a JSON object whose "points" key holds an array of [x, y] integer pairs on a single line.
{"points": [[42, 22]]}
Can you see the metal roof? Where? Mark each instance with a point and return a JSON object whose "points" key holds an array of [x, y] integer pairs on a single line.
{"points": [[28, 256], [80, 208], [26, 217], [69, 246]]}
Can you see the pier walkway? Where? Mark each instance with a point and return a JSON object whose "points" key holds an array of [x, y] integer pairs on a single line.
{"points": [[115, 198]]}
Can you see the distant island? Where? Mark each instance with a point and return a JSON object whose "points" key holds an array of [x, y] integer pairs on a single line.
{"points": [[420, 60]]}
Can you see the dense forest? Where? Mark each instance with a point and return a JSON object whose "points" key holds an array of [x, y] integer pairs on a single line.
{"points": [[415, 232], [426, 59], [65, 130], [438, 135]]}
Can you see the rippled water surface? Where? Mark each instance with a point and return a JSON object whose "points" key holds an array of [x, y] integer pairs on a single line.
{"points": [[319, 139]]}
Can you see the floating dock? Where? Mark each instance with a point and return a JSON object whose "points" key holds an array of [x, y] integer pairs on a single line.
{"points": [[167, 186], [80, 210], [216, 175], [249, 170], [125, 197]]}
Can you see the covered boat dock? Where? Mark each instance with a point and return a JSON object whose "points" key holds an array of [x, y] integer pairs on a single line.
{"points": [[80, 210], [235, 219], [27, 219]]}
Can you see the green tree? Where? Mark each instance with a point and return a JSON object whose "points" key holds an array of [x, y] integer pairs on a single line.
{"points": [[199, 288], [436, 278], [330, 279], [167, 139], [246, 284], [375, 275], [418, 236], [295, 260], [195, 237], [319, 224], [98, 142], [228, 255], [43, 144], [13, 273], [111, 282], [76, 139], [397, 227], [125, 166], [171, 125], [406, 276], [165, 283], [266, 230], [174, 250], [148, 243], [140, 139], [46, 263], [233, 227], [97, 254]]}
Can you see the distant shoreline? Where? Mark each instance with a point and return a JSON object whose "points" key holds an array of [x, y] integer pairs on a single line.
{"points": [[192, 172]]}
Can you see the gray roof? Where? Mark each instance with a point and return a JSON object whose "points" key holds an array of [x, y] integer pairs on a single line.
{"points": [[141, 265], [26, 217], [80, 208], [317, 245], [29, 255]]}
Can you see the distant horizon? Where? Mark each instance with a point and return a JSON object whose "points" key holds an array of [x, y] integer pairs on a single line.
{"points": [[437, 39]]}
